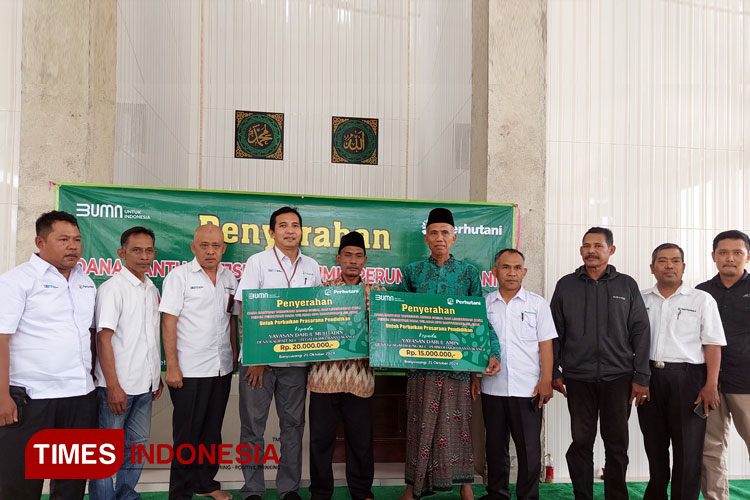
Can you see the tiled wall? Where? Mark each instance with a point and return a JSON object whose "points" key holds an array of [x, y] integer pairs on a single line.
{"points": [[157, 106], [648, 133], [10, 126]]}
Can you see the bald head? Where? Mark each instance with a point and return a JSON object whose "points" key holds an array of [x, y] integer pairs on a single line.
{"points": [[208, 246], [207, 229]]}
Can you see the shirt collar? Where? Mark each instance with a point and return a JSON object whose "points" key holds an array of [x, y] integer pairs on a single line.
{"points": [[521, 295], [684, 289], [283, 256], [196, 267], [610, 269], [131, 278], [432, 260], [717, 280], [362, 281], [41, 266]]}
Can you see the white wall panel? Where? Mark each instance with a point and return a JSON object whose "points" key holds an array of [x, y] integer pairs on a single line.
{"points": [[406, 63], [10, 126], [648, 134], [313, 60], [156, 120], [309, 60]]}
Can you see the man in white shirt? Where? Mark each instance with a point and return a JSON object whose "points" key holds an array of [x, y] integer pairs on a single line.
{"points": [[200, 347], [686, 340], [281, 266], [46, 314], [512, 399], [128, 364]]}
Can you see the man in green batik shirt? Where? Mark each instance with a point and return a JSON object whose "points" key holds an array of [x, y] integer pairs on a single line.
{"points": [[439, 449]]}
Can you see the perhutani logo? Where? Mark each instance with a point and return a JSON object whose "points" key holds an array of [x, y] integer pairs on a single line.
{"points": [[450, 301], [99, 210], [467, 229], [468, 302]]}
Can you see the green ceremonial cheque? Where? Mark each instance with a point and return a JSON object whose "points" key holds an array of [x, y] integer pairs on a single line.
{"points": [[297, 325], [428, 331]]}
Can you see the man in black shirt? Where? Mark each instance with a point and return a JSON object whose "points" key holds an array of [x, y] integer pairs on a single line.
{"points": [[731, 289]]}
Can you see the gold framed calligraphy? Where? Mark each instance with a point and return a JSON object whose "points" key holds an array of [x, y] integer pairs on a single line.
{"points": [[355, 140], [259, 135]]}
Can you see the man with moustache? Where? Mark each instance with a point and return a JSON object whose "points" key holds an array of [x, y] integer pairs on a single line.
{"points": [[342, 390], [731, 290], [46, 314], [200, 347], [603, 349], [128, 363], [439, 450], [281, 266], [512, 400], [686, 340]]}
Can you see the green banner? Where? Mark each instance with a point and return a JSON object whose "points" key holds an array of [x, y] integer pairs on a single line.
{"points": [[293, 325], [428, 331], [392, 229]]}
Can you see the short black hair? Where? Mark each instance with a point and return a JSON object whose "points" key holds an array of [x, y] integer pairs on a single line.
{"points": [[136, 230], [732, 234], [509, 250], [610, 239], [45, 221], [282, 211], [666, 246]]}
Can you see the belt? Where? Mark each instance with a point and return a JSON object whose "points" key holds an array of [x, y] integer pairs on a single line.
{"points": [[663, 365]]}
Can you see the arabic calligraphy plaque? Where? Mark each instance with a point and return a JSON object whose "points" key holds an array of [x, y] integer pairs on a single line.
{"points": [[355, 140], [259, 135]]}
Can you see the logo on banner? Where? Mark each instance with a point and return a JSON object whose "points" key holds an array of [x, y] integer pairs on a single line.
{"points": [[74, 453], [98, 210], [355, 140], [259, 135], [107, 211], [481, 229]]}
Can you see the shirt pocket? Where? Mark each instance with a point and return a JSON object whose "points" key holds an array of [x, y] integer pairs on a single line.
{"points": [[528, 327], [687, 325], [194, 296]]}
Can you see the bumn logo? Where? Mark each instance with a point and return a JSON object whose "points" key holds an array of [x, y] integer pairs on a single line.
{"points": [[98, 210]]}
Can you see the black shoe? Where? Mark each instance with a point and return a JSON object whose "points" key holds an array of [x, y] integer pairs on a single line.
{"points": [[254, 497], [292, 495], [490, 496]]}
